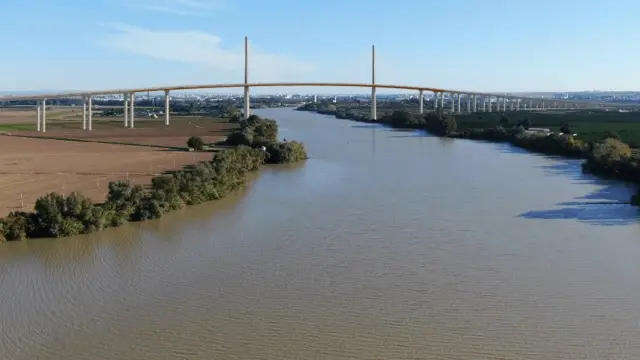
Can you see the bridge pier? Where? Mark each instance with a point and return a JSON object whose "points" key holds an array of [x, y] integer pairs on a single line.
{"points": [[530, 104], [489, 104], [90, 109], [517, 104], [132, 110], [468, 103], [421, 102], [44, 115], [475, 103], [504, 104], [374, 115], [166, 107], [84, 113], [542, 104], [38, 113], [247, 106], [453, 103], [459, 108], [125, 104]]}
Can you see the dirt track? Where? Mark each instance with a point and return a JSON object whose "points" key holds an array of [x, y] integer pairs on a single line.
{"points": [[34, 167]]}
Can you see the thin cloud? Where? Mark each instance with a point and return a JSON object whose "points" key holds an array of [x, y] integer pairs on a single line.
{"points": [[206, 50], [199, 8]]}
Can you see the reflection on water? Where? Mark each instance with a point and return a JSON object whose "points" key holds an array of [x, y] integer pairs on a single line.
{"points": [[385, 244]]}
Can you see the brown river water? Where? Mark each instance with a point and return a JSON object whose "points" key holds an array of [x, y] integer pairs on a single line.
{"points": [[384, 245]]}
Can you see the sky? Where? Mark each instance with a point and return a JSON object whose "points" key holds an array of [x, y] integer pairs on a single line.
{"points": [[475, 45]]}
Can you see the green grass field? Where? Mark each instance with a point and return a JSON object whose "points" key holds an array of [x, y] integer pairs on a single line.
{"points": [[589, 125], [15, 127]]}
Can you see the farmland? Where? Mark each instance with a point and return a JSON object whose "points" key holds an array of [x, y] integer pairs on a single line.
{"points": [[34, 163]]}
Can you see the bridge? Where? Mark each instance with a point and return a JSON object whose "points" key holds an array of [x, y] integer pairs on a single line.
{"points": [[514, 102]]}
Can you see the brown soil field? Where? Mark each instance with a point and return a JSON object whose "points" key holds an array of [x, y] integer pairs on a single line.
{"points": [[32, 168], [33, 163], [146, 131]]}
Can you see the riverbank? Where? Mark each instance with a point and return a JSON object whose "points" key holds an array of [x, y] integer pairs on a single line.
{"points": [[57, 215], [605, 154]]}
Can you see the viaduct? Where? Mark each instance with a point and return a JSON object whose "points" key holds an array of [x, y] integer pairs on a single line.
{"points": [[457, 98]]}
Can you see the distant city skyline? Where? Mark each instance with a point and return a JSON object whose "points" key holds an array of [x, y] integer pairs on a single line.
{"points": [[494, 45]]}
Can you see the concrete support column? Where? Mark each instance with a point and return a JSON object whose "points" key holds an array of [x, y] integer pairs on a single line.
{"points": [[484, 103], [475, 103], [39, 113], [132, 109], [518, 105], [90, 110], [125, 104], [84, 113], [542, 104], [530, 104], [374, 115], [555, 105], [459, 108], [453, 103], [504, 104], [247, 106], [167, 110], [468, 103], [489, 105], [511, 105], [44, 115], [421, 101]]}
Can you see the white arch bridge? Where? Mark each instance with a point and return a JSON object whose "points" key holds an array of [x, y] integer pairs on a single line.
{"points": [[488, 101]]}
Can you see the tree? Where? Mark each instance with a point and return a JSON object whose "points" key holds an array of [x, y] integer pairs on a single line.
{"points": [[611, 135], [235, 117], [504, 119], [566, 129], [400, 118], [449, 125], [196, 143], [610, 150], [526, 123], [440, 124]]}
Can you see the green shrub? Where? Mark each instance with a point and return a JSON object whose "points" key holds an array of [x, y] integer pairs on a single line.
{"points": [[18, 225], [255, 131], [122, 201], [59, 216], [196, 143], [286, 152], [239, 137]]}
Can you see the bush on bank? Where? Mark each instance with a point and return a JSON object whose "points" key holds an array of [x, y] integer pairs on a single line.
{"points": [[56, 215], [257, 132]]}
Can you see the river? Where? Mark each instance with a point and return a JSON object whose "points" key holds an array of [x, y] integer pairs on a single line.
{"points": [[384, 245]]}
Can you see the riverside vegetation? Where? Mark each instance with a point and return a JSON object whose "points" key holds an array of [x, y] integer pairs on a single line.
{"points": [[604, 151], [56, 215]]}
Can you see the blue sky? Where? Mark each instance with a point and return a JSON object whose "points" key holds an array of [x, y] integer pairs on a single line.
{"points": [[483, 45]]}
